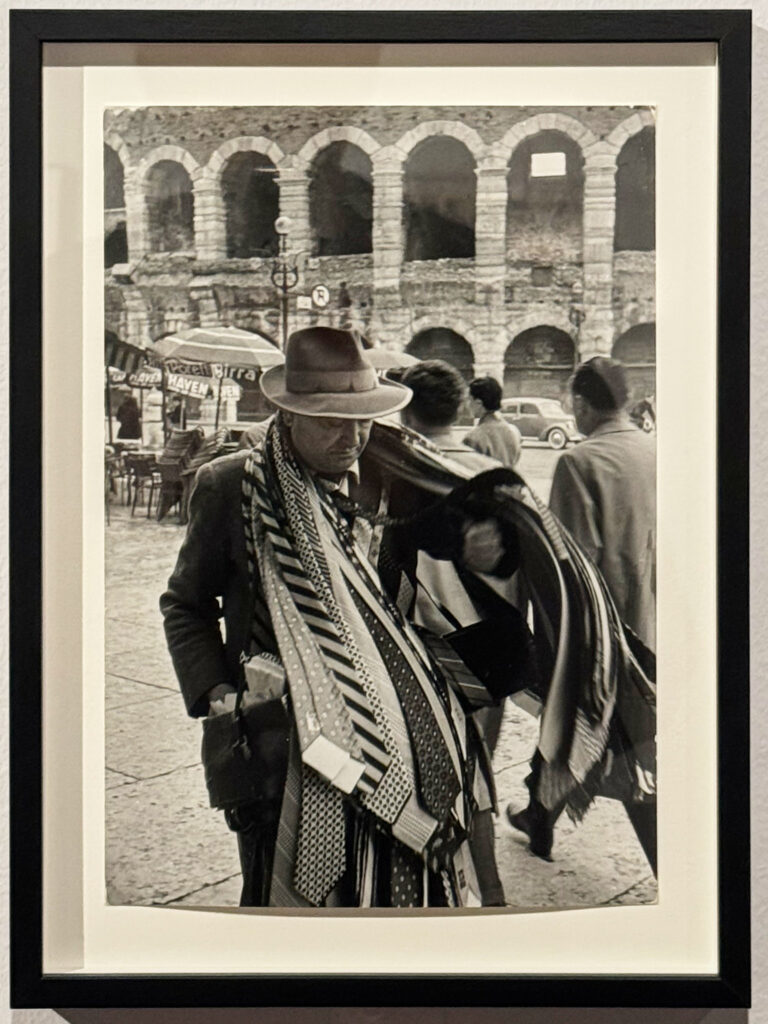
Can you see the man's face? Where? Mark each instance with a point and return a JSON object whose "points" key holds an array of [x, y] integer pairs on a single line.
{"points": [[327, 445]]}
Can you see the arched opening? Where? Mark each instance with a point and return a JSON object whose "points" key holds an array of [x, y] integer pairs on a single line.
{"points": [[114, 195], [115, 235], [439, 193], [636, 349], [341, 200], [443, 343], [545, 196], [538, 363], [252, 203], [635, 226], [170, 208]]}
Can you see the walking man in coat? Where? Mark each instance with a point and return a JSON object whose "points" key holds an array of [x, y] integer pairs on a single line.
{"points": [[300, 545], [604, 493]]}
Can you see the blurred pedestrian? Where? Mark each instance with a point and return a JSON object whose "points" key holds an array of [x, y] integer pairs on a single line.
{"points": [[604, 493], [129, 418], [492, 435]]}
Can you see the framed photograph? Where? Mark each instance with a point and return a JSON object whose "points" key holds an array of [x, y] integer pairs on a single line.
{"points": [[378, 485]]}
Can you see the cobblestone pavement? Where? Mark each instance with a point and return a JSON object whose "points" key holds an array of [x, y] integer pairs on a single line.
{"points": [[166, 846]]}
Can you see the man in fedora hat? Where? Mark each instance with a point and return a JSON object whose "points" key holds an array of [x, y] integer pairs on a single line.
{"points": [[300, 545]]}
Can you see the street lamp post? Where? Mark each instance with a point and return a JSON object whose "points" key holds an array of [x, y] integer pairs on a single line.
{"points": [[285, 273]]}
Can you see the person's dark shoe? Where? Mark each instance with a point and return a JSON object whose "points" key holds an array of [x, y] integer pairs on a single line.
{"points": [[540, 835]]}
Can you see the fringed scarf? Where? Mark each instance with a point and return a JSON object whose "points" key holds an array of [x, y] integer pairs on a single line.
{"points": [[600, 703]]}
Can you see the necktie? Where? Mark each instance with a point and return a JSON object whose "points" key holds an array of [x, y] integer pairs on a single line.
{"points": [[438, 783], [321, 853]]}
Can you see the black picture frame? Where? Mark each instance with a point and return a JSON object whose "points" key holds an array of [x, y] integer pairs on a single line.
{"points": [[730, 30]]}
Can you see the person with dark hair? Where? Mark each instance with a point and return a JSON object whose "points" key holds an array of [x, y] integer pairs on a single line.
{"points": [[492, 435], [604, 493], [439, 392]]}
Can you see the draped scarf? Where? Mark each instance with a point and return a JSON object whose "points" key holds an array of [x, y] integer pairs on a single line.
{"points": [[358, 742]]}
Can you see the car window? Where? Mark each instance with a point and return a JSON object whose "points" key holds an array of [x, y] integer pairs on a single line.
{"points": [[551, 408], [528, 409], [511, 407]]}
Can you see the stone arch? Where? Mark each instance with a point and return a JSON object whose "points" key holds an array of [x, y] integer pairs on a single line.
{"points": [[545, 202], [115, 226], [452, 129], [248, 185], [439, 199], [444, 343], [169, 207], [635, 222], [173, 154], [338, 133], [116, 142], [242, 144], [538, 362], [636, 349], [557, 318], [629, 127], [563, 123], [341, 199]]}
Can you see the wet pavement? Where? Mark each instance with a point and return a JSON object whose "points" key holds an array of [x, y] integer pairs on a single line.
{"points": [[165, 846]]}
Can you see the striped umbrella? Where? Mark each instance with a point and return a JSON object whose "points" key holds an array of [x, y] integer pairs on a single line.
{"points": [[230, 346], [221, 348]]}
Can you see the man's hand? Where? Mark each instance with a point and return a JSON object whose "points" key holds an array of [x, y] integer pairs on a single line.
{"points": [[218, 693], [483, 547]]}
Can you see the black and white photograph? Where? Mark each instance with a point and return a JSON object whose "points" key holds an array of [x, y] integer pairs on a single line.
{"points": [[380, 506]]}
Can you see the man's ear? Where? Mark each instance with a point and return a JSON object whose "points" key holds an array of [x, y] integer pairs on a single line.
{"points": [[287, 418]]}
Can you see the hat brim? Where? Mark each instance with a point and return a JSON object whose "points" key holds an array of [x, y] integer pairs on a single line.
{"points": [[386, 398]]}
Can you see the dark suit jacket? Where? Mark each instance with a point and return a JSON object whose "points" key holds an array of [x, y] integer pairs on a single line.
{"points": [[211, 581]]}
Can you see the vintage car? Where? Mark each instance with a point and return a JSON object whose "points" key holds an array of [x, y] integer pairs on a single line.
{"points": [[543, 419]]}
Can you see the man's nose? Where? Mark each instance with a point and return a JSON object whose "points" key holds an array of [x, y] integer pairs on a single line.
{"points": [[351, 432]]}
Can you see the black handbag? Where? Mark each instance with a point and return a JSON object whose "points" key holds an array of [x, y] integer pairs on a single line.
{"points": [[487, 660], [245, 753]]}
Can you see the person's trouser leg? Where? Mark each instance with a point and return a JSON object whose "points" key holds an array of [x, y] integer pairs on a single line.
{"points": [[536, 820], [256, 829]]}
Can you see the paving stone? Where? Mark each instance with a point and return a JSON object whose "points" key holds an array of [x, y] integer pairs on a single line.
{"points": [[114, 779], [517, 738], [121, 692], [164, 841], [594, 862], [146, 665], [223, 894], [151, 738], [122, 635], [644, 891]]}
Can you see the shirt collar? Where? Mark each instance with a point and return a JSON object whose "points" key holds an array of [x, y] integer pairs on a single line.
{"points": [[342, 486]]}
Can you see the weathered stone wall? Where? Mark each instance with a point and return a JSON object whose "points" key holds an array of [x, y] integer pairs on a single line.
{"points": [[554, 272]]}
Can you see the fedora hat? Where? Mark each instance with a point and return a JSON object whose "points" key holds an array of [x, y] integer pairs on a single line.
{"points": [[327, 373]]}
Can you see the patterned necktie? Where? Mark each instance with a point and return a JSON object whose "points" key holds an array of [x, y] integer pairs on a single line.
{"points": [[438, 783], [321, 854]]}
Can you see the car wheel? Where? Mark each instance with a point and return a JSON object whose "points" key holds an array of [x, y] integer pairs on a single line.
{"points": [[557, 438]]}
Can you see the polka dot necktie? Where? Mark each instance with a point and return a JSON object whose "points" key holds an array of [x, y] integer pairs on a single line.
{"points": [[438, 783]]}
